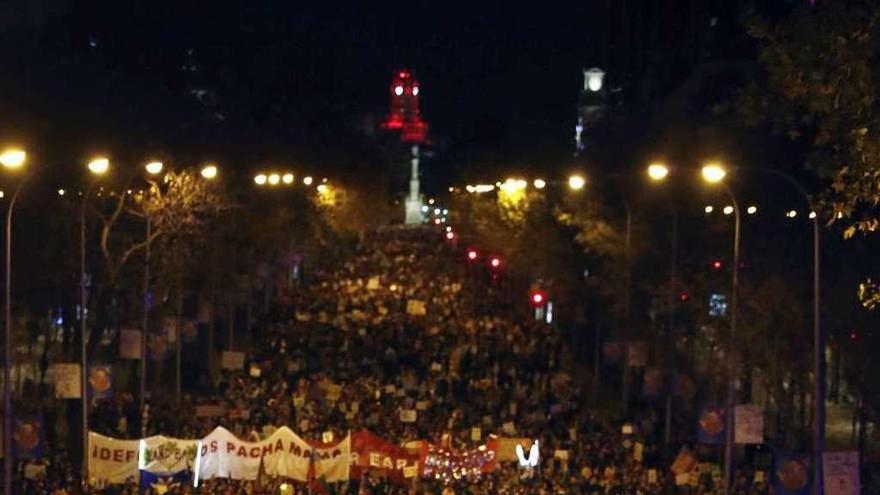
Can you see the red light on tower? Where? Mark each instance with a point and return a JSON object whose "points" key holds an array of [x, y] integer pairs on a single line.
{"points": [[405, 115]]}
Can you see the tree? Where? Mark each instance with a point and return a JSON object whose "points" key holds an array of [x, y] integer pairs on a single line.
{"points": [[177, 207], [820, 90]]}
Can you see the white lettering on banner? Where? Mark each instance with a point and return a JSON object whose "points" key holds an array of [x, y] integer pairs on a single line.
{"points": [[284, 453], [334, 463], [112, 460], [534, 455], [168, 455]]}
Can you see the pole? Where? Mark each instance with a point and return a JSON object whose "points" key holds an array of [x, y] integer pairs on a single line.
{"points": [[83, 339], [145, 324], [7, 354], [670, 335], [732, 367], [626, 303], [818, 337], [819, 364], [597, 365]]}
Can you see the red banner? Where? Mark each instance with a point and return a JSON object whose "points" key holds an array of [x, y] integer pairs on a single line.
{"points": [[371, 453]]}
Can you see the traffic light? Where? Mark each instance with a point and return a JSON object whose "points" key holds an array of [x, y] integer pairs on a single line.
{"points": [[538, 298]]}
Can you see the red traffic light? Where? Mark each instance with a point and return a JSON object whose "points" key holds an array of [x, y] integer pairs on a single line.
{"points": [[472, 254], [495, 262], [538, 298]]}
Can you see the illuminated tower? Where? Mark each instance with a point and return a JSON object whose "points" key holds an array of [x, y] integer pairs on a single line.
{"points": [[591, 106], [406, 117]]}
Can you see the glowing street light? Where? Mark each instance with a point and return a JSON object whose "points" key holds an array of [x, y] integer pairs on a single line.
{"points": [[791, 213], [260, 179], [539, 183], [576, 182], [709, 209], [13, 158], [154, 168], [751, 210], [812, 214], [287, 178], [657, 171], [713, 173], [99, 166], [274, 179], [308, 180], [209, 172], [472, 254], [61, 192], [728, 210]]}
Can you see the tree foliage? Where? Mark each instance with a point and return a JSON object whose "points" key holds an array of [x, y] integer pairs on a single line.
{"points": [[821, 89]]}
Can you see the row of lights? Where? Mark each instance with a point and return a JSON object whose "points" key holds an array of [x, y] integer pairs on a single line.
{"points": [[751, 210], [16, 158], [287, 179]]}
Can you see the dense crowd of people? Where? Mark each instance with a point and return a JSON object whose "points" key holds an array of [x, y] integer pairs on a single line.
{"points": [[401, 325]]}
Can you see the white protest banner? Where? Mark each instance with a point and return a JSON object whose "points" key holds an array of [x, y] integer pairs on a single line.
{"points": [[333, 462], [67, 378], [748, 424], [282, 454], [163, 455], [231, 360], [129, 343], [408, 415], [111, 460], [841, 472]]}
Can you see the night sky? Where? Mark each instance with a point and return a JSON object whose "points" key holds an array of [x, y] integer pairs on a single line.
{"points": [[498, 79]]}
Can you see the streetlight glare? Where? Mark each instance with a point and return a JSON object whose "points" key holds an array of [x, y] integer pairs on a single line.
{"points": [[287, 178], [99, 166], [708, 209], [791, 213], [13, 158], [576, 182], [308, 180], [812, 215], [713, 173], [728, 210], [657, 171], [274, 179], [539, 183], [154, 168], [751, 210], [260, 179], [323, 188], [209, 172]]}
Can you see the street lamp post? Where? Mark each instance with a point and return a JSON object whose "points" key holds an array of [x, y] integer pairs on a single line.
{"points": [[658, 172], [98, 167], [818, 334], [576, 183], [714, 174], [11, 159], [152, 168]]}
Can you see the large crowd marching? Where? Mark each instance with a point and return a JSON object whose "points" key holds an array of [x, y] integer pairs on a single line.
{"points": [[401, 325]]}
